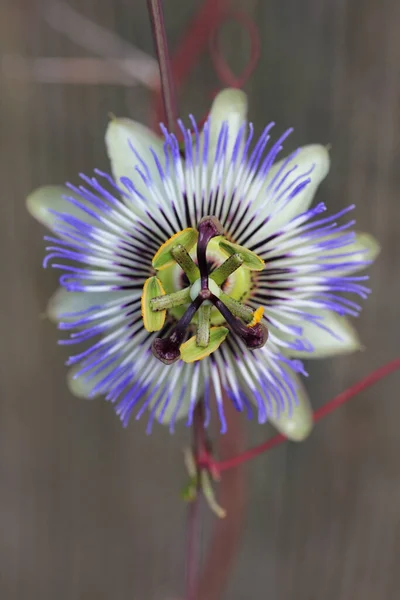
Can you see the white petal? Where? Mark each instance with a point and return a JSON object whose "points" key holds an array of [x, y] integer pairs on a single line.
{"points": [[120, 135], [63, 302], [364, 248], [345, 342], [50, 197], [307, 157], [299, 424], [229, 106]]}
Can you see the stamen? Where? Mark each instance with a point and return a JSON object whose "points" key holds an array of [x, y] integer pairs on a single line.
{"points": [[221, 274], [254, 336], [171, 300], [186, 263], [203, 329], [237, 308], [167, 349], [209, 227]]}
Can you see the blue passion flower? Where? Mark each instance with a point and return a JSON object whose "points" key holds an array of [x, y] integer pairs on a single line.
{"points": [[200, 269]]}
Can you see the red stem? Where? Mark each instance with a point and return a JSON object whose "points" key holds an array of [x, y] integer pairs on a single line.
{"points": [[199, 449], [319, 414], [225, 537], [191, 552], [211, 581]]}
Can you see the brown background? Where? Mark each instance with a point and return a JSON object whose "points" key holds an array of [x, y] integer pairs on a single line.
{"points": [[91, 511]]}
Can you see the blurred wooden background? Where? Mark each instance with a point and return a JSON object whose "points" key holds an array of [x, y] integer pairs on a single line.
{"points": [[91, 511]]}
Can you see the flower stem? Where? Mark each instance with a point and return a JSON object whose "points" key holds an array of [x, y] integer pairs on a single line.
{"points": [[191, 552], [226, 533], [199, 447], [319, 414], [164, 62]]}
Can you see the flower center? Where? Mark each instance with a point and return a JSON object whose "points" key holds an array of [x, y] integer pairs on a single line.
{"points": [[211, 304], [237, 285], [195, 290]]}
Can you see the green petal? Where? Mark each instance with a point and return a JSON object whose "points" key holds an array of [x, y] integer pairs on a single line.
{"points": [[345, 341], [50, 197], [163, 257], [307, 156], [230, 106], [152, 320], [120, 135], [190, 351], [82, 385], [299, 424], [364, 248], [62, 302], [250, 259]]}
